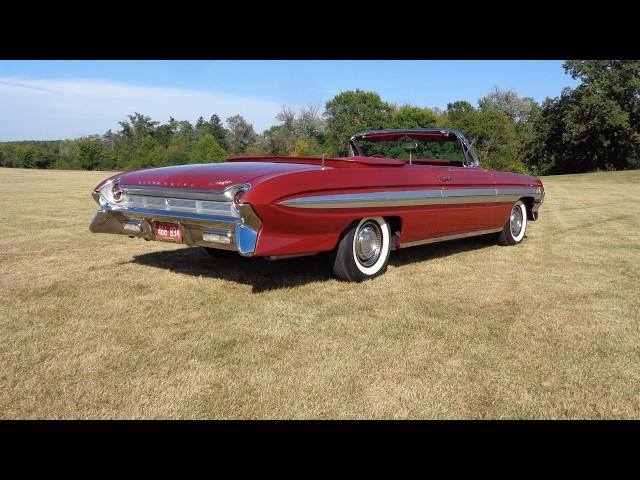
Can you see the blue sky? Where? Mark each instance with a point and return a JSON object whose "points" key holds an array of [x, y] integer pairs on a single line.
{"points": [[66, 99]]}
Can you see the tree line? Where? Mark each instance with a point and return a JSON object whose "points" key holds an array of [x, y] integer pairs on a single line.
{"points": [[595, 126]]}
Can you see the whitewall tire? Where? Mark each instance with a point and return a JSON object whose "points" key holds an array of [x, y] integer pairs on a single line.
{"points": [[363, 252], [516, 226]]}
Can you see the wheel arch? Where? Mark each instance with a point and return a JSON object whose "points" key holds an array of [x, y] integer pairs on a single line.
{"points": [[395, 227], [528, 203]]}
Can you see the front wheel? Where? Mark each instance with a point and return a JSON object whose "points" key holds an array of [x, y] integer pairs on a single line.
{"points": [[363, 252], [515, 228]]}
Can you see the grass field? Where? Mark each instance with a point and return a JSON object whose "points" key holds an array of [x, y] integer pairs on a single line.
{"points": [[102, 326]]}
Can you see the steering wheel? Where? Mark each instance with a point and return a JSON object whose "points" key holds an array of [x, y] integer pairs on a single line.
{"points": [[377, 155]]}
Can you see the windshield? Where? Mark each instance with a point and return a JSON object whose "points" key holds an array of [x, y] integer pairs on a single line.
{"points": [[416, 148]]}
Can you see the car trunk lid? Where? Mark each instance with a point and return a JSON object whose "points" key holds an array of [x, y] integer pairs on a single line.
{"points": [[209, 176]]}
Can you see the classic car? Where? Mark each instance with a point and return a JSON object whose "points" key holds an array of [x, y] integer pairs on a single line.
{"points": [[395, 189]]}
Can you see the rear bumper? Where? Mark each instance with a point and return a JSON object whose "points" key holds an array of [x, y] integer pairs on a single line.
{"points": [[236, 234]]}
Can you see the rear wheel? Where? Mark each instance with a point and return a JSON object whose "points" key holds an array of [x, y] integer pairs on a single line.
{"points": [[363, 252], [516, 226]]}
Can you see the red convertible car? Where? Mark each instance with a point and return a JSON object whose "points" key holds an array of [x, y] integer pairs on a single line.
{"points": [[395, 189]]}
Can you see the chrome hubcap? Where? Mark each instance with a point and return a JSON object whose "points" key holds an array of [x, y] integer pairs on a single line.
{"points": [[516, 220], [368, 243]]}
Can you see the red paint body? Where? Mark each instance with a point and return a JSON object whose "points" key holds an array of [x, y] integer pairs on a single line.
{"points": [[287, 230]]}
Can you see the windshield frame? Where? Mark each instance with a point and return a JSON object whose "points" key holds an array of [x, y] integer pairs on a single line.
{"points": [[470, 158]]}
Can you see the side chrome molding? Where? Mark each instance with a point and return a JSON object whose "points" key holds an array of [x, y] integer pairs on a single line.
{"points": [[409, 198]]}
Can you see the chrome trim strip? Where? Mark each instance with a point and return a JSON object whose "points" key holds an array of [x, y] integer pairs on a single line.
{"points": [[518, 191], [186, 193], [449, 237], [409, 198], [185, 205], [470, 192], [168, 215], [372, 199], [217, 231]]}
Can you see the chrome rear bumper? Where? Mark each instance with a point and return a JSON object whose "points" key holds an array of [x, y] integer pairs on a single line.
{"points": [[230, 233]]}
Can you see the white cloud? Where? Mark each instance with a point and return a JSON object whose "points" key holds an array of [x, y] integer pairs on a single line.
{"points": [[43, 109]]}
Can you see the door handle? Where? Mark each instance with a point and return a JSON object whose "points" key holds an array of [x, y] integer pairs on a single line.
{"points": [[446, 178]]}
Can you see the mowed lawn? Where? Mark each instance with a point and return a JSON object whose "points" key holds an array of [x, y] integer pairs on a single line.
{"points": [[102, 326]]}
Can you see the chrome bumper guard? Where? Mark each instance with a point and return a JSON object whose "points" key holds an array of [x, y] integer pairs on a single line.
{"points": [[226, 233]]}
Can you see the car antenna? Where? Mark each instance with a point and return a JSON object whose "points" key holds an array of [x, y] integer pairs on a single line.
{"points": [[322, 160]]}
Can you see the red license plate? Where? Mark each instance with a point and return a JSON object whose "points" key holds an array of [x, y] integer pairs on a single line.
{"points": [[169, 232]]}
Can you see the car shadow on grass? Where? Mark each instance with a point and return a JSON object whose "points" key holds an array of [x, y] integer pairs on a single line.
{"points": [[264, 275], [432, 251], [261, 274]]}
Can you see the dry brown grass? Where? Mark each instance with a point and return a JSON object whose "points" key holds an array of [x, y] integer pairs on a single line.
{"points": [[101, 326]]}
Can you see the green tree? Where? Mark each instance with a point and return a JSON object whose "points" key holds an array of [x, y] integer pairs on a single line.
{"points": [[594, 126], [277, 141], [218, 131], [91, 153], [138, 126], [240, 135], [27, 156], [164, 133], [185, 134], [350, 112], [207, 150], [8, 154], [177, 153], [494, 137], [409, 116], [213, 127], [306, 147], [508, 102], [306, 126], [309, 124], [68, 154], [149, 153], [281, 138]]}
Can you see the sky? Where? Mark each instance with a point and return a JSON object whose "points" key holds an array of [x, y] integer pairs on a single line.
{"points": [[50, 100]]}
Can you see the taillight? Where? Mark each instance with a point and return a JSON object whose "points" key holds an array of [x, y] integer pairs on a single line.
{"points": [[116, 193], [104, 182], [237, 198], [111, 192]]}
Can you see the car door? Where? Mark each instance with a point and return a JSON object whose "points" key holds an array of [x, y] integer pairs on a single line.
{"points": [[420, 220], [468, 200]]}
